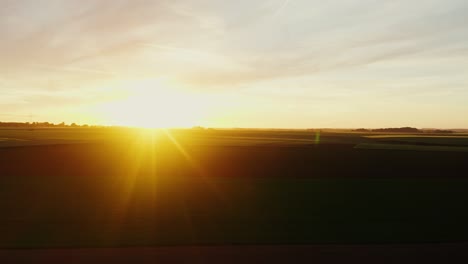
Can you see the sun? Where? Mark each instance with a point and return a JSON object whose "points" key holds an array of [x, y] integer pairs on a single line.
{"points": [[153, 103]]}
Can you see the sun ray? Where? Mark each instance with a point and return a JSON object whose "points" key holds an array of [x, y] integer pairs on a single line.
{"points": [[194, 164], [126, 184]]}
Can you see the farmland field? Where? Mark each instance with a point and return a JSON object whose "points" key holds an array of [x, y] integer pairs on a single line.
{"points": [[102, 187]]}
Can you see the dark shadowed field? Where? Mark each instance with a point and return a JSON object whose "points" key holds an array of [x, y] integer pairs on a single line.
{"points": [[85, 188]]}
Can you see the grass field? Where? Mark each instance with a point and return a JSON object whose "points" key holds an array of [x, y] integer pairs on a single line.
{"points": [[409, 146], [126, 187]]}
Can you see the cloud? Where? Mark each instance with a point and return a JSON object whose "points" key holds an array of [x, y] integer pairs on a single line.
{"points": [[363, 43], [310, 37], [65, 32], [211, 46]]}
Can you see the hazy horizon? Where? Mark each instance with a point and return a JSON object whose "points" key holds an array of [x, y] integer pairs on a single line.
{"points": [[73, 124], [251, 64]]}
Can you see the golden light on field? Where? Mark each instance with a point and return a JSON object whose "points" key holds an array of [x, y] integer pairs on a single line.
{"points": [[153, 103]]}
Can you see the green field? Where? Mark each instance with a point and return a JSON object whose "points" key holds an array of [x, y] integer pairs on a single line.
{"points": [[14, 137], [127, 187]]}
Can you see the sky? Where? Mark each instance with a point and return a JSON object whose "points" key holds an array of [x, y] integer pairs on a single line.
{"points": [[245, 63]]}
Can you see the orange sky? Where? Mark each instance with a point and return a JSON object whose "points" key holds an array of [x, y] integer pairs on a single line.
{"points": [[270, 63]]}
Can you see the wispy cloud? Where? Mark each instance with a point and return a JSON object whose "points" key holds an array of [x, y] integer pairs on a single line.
{"points": [[227, 46], [282, 7], [75, 69]]}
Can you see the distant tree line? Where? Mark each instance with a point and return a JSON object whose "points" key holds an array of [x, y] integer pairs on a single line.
{"points": [[404, 130], [38, 124], [396, 129], [439, 131]]}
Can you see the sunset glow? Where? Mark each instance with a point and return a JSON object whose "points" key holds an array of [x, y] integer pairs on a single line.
{"points": [[282, 64], [152, 103]]}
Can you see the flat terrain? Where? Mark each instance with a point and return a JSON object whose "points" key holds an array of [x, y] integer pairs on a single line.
{"points": [[81, 188], [268, 254]]}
